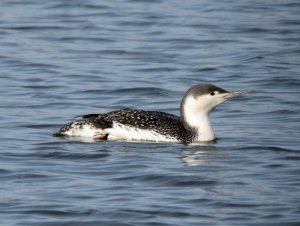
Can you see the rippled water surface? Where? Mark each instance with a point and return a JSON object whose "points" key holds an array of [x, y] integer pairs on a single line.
{"points": [[62, 59]]}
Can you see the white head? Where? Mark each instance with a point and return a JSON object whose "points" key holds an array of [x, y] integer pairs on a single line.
{"points": [[199, 101]]}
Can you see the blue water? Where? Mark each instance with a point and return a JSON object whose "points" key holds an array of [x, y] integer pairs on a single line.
{"points": [[62, 59]]}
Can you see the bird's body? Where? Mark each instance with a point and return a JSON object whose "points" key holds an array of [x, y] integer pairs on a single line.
{"points": [[132, 124]]}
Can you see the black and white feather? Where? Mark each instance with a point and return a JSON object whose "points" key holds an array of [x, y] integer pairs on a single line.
{"points": [[134, 124]]}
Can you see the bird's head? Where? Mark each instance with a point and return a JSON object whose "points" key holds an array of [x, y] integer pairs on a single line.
{"points": [[201, 99]]}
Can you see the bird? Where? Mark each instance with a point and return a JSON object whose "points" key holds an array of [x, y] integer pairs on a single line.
{"points": [[192, 126]]}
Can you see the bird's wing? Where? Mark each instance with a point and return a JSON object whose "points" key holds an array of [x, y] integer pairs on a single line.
{"points": [[138, 119]]}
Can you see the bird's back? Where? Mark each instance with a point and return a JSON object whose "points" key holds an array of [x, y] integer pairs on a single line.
{"points": [[131, 124]]}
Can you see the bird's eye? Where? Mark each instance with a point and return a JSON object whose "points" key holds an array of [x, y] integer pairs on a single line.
{"points": [[212, 93]]}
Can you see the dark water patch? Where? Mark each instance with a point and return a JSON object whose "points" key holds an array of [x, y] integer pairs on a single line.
{"points": [[76, 5], [291, 157], [168, 180], [55, 143], [120, 52], [41, 126], [94, 76], [271, 148], [168, 213], [145, 1], [205, 69], [81, 222], [254, 30], [196, 41], [95, 6], [39, 106], [289, 22], [28, 28], [5, 172], [252, 58], [234, 205], [19, 177], [278, 67], [42, 87], [53, 213], [279, 113], [83, 5], [137, 23], [99, 92], [74, 156], [57, 105], [143, 91], [86, 39], [283, 81], [274, 166], [137, 55], [40, 65], [156, 69]]}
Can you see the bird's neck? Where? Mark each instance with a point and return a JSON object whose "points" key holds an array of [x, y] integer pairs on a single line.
{"points": [[198, 120], [205, 130], [201, 125]]}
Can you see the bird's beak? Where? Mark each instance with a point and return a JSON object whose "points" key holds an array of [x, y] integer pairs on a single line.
{"points": [[230, 95]]}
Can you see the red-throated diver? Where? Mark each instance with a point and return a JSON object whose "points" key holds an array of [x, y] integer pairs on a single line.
{"points": [[192, 126]]}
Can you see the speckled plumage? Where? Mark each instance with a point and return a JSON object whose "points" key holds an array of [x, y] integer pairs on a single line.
{"points": [[163, 123], [132, 124]]}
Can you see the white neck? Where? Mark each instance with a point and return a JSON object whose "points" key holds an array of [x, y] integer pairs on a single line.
{"points": [[197, 117], [205, 130]]}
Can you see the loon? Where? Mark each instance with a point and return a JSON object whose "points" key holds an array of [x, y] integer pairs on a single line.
{"points": [[193, 125]]}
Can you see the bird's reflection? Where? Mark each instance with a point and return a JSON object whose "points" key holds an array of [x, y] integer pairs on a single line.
{"points": [[194, 159], [199, 156]]}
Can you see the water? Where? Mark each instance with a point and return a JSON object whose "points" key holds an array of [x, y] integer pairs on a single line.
{"points": [[62, 59]]}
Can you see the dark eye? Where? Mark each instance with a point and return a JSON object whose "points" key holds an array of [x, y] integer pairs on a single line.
{"points": [[212, 93]]}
